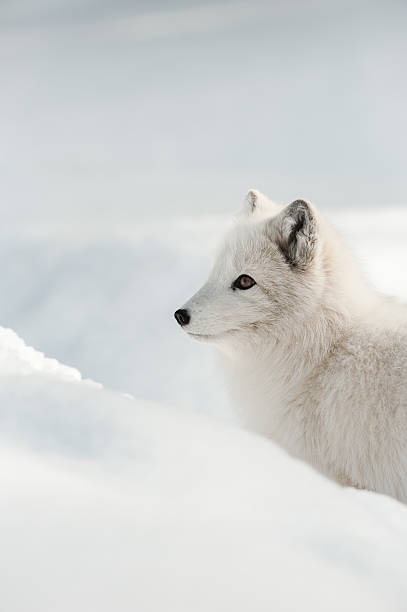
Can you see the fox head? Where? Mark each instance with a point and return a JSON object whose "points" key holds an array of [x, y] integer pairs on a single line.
{"points": [[266, 274]]}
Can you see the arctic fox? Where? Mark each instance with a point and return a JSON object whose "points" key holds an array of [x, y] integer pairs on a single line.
{"points": [[316, 359]]}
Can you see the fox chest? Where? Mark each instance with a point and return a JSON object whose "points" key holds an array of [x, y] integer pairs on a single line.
{"points": [[269, 405]]}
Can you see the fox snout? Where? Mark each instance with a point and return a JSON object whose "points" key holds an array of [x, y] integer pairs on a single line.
{"points": [[182, 317]]}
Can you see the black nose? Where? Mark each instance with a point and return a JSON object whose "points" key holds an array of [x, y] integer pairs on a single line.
{"points": [[182, 317]]}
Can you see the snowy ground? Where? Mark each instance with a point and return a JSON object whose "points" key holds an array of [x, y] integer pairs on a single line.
{"points": [[110, 503], [114, 503]]}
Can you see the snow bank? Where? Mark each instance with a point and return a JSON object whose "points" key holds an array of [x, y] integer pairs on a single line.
{"points": [[18, 358], [109, 503]]}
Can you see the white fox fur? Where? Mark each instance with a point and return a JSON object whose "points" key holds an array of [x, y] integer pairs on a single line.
{"points": [[316, 359]]}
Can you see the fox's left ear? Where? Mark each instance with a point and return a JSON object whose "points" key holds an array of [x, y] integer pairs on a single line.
{"points": [[297, 233]]}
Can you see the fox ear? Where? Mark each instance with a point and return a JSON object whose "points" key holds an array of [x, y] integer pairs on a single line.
{"points": [[297, 233], [256, 202], [253, 200]]}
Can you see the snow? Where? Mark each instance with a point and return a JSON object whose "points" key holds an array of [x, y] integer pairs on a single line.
{"points": [[111, 503]]}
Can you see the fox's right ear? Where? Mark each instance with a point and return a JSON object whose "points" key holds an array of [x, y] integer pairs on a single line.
{"points": [[256, 202], [253, 200], [297, 233]]}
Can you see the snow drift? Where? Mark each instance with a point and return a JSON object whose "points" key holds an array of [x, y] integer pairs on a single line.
{"points": [[109, 503]]}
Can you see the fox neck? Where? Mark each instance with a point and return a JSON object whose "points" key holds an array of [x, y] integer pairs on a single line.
{"points": [[267, 370]]}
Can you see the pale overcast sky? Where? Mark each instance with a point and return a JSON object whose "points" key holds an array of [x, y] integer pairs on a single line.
{"points": [[117, 108]]}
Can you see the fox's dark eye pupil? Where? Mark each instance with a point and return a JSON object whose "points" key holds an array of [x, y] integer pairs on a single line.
{"points": [[243, 282]]}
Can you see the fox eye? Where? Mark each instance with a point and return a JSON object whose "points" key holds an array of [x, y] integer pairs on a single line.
{"points": [[243, 282]]}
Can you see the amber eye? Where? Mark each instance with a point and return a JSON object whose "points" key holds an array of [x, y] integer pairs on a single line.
{"points": [[243, 282]]}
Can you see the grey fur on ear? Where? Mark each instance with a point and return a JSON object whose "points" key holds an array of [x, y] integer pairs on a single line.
{"points": [[297, 234]]}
